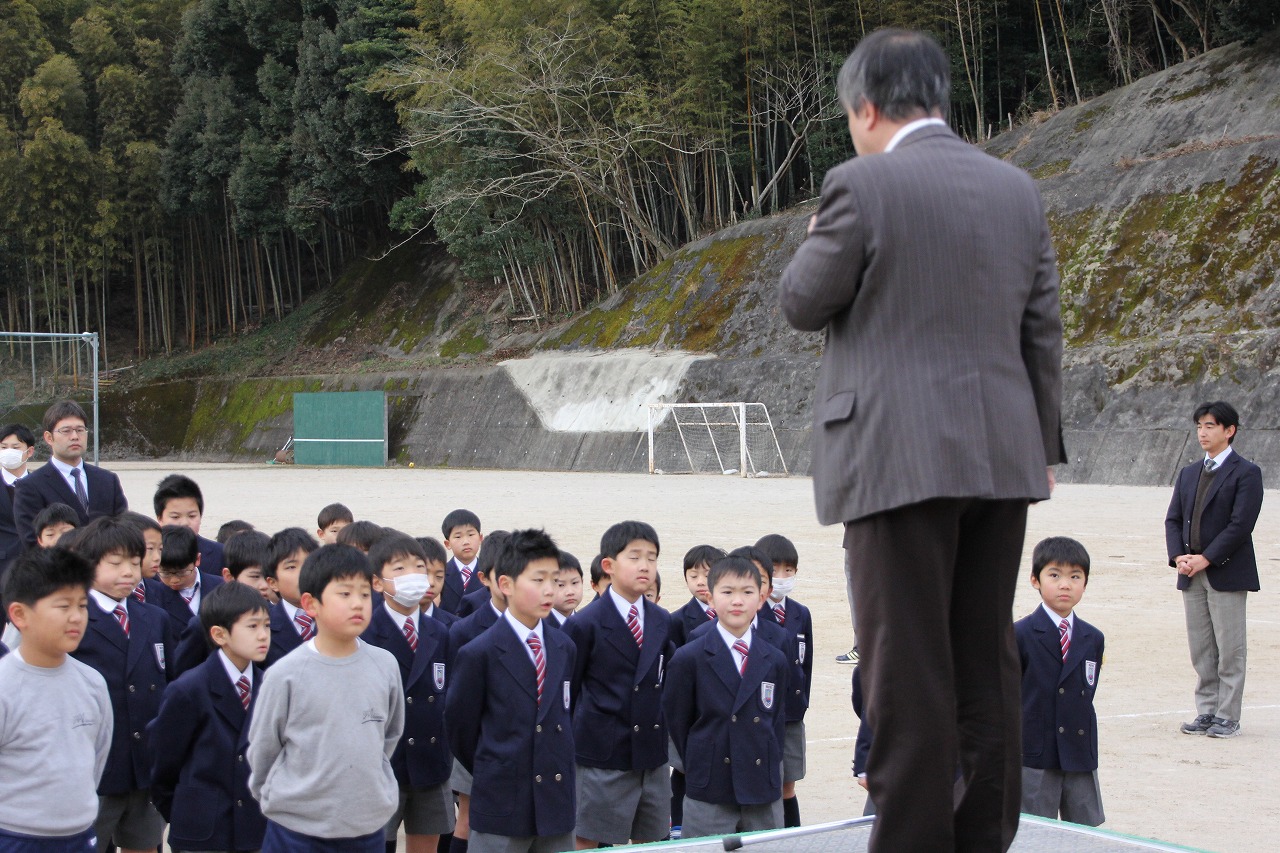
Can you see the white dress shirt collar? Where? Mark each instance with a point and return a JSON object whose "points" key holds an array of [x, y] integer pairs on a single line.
{"points": [[1057, 620], [911, 127], [106, 602], [523, 631], [233, 673], [624, 606], [1219, 459]]}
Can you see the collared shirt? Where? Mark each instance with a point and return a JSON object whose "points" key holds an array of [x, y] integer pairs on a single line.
{"points": [[235, 674], [624, 607], [470, 567], [106, 602], [522, 633], [911, 127], [429, 611], [398, 618], [560, 617], [729, 640], [65, 470], [1219, 459], [193, 601], [292, 612], [705, 607], [495, 609], [10, 478], [1057, 620]]}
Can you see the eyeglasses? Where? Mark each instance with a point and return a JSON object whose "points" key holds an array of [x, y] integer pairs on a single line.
{"points": [[180, 573], [72, 431]]}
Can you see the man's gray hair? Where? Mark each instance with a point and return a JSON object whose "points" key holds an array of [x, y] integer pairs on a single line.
{"points": [[904, 73]]}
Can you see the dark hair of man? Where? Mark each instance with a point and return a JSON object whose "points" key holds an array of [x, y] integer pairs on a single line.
{"points": [[332, 513], [176, 486], [433, 551], [1224, 413], [616, 539], [1062, 550], [225, 604], [751, 552], [702, 555], [40, 572], [60, 411], [733, 566], [283, 545], [522, 548], [568, 561], [493, 544], [597, 570], [459, 518], [20, 432], [904, 73], [231, 528], [140, 521], [109, 535], [54, 514], [178, 548], [332, 563], [779, 549], [391, 548], [245, 550], [361, 534]]}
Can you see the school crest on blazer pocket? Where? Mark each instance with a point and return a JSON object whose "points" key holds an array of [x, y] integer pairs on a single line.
{"points": [[801, 644], [159, 647], [766, 695], [437, 672], [1090, 672], [566, 695]]}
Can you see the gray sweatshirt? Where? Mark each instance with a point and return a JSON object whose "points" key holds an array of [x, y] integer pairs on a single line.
{"points": [[321, 739], [55, 733]]}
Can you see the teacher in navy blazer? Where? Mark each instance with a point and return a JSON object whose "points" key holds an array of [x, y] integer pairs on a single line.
{"points": [[1209, 535], [66, 478]]}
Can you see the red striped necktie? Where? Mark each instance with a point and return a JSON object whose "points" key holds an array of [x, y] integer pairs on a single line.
{"points": [[740, 646], [539, 661], [243, 686], [1063, 639], [781, 613], [122, 616], [411, 634], [633, 622], [306, 625]]}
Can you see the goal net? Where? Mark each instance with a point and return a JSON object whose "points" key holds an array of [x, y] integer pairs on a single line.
{"points": [[713, 438]]}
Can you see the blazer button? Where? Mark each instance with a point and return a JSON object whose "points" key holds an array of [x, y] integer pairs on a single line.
{"points": [[132, 689], [757, 762], [537, 778], [1061, 690], [240, 758], [153, 688], [537, 728], [557, 777], [726, 759], [137, 736], [408, 700], [756, 720], [1084, 692], [433, 740], [797, 692], [409, 741], [733, 718], [239, 803], [431, 698], [655, 727], [635, 728], [637, 688], [1080, 731], [1061, 730], [558, 728]]}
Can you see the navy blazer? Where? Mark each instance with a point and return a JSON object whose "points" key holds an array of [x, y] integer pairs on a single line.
{"points": [[200, 777], [618, 723], [284, 636], [799, 628], [518, 750], [136, 668], [192, 649], [1059, 726], [1231, 508], [46, 485], [465, 630], [767, 629], [11, 544], [728, 728], [211, 562], [454, 590], [173, 603], [422, 758], [473, 601], [444, 617], [686, 620]]}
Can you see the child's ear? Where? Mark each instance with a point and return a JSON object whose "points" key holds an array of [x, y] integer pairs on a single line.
{"points": [[226, 575], [377, 583], [273, 584], [197, 562], [221, 636], [310, 604], [606, 566], [18, 615]]}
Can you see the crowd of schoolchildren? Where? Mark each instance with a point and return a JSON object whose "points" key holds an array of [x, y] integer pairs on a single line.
{"points": [[292, 692]]}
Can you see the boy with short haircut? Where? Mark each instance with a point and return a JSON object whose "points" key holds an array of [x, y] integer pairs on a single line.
{"points": [[55, 712], [321, 769], [422, 762], [182, 583], [178, 500], [199, 779], [154, 539], [331, 519], [654, 593], [697, 611], [291, 626], [462, 536], [245, 554], [508, 711], [1061, 660], [436, 557], [359, 534], [229, 529], [568, 587], [599, 580], [131, 645], [483, 573], [723, 701], [53, 521], [624, 781], [798, 622]]}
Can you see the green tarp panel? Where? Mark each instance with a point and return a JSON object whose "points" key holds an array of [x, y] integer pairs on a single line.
{"points": [[340, 428]]}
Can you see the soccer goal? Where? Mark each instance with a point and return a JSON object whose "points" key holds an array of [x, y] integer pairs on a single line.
{"points": [[714, 438]]}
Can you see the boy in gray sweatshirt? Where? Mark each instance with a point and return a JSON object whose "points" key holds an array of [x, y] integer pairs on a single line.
{"points": [[327, 719]]}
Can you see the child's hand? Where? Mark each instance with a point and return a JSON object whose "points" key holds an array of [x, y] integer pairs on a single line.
{"points": [[862, 780]]}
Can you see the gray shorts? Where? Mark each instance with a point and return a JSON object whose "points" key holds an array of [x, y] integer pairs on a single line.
{"points": [[1056, 794], [484, 842], [702, 819], [128, 821], [793, 750], [460, 779], [617, 806], [424, 811]]}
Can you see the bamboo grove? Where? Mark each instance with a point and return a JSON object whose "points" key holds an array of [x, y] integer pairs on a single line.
{"points": [[173, 172]]}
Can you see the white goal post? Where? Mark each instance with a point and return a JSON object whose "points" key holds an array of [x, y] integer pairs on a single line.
{"points": [[718, 438]]}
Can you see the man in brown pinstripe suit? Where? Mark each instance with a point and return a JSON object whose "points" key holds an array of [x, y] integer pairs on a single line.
{"points": [[936, 421]]}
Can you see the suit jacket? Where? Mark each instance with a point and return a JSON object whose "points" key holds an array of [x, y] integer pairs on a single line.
{"points": [[465, 630], [210, 556], [173, 603], [932, 271], [799, 652], [46, 485], [200, 776], [11, 542], [519, 750], [473, 601], [1231, 507], [444, 617], [454, 590], [617, 722], [422, 758], [729, 729], [136, 668], [284, 636], [685, 620], [1059, 726]]}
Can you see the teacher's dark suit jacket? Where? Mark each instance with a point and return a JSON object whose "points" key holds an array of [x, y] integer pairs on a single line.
{"points": [[1059, 725], [46, 485], [11, 544], [1231, 508], [941, 375]]}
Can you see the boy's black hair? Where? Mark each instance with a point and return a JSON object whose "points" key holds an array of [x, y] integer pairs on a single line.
{"points": [[389, 548], [361, 534], [283, 544], [1224, 413], [109, 535], [173, 487], [434, 551], [246, 549], [332, 513], [616, 539], [19, 431], [231, 528], [779, 549], [332, 563], [40, 572], [657, 583], [735, 565], [459, 518], [1062, 550], [140, 521], [54, 514], [60, 411], [597, 570], [69, 537], [751, 552], [568, 561], [702, 554], [522, 548], [493, 545], [225, 604], [179, 547]]}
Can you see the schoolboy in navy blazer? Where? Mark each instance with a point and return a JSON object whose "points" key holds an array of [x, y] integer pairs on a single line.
{"points": [[175, 605], [688, 619], [454, 589], [766, 629], [284, 637], [473, 600], [1059, 725], [799, 651], [461, 530]]}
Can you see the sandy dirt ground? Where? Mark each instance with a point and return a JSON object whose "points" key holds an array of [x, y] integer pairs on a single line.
{"points": [[1210, 794]]}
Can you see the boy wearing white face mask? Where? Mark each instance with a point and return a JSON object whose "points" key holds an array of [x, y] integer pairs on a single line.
{"points": [[422, 761], [795, 617]]}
